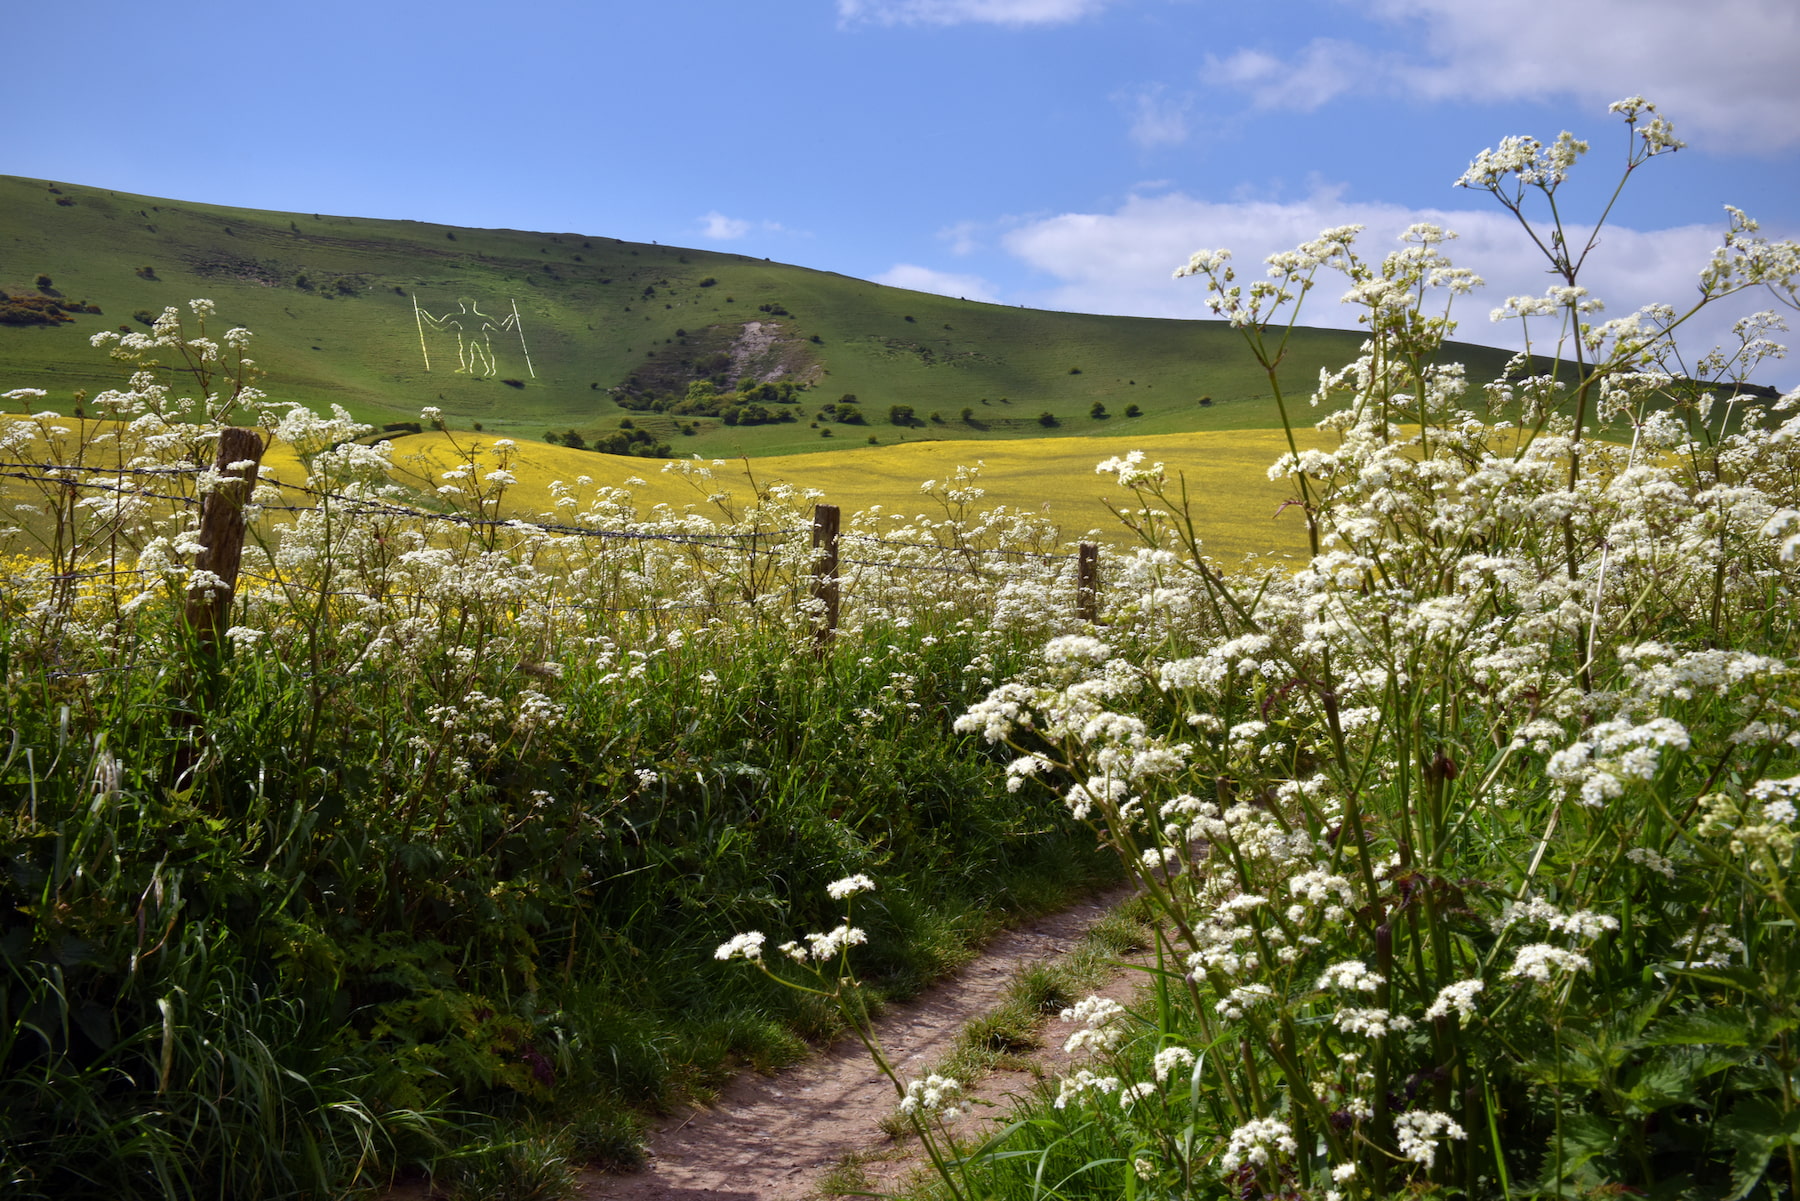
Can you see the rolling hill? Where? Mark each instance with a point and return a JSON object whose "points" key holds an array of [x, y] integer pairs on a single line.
{"points": [[536, 333]]}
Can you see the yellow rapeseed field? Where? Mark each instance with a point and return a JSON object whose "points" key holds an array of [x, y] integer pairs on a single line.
{"points": [[1239, 507], [1226, 472]]}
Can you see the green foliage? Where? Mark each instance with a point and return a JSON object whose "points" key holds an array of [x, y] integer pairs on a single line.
{"points": [[1471, 843], [32, 310], [626, 440], [360, 890], [843, 412], [520, 1167]]}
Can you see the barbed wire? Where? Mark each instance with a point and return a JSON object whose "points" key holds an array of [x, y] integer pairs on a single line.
{"points": [[98, 470], [119, 488], [65, 576], [977, 550], [519, 522], [45, 474], [947, 568], [405, 598]]}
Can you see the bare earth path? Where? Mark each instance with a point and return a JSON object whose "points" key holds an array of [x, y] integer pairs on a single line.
{"points": [[770, 1138]]}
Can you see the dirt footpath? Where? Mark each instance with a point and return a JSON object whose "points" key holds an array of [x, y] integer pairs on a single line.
{"points": [[770, 1138]]}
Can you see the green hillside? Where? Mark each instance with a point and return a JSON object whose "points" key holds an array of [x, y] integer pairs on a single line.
{"points": [[528, 333]]}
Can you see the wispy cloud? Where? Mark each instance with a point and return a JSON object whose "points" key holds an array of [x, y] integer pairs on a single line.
{"points": [[944, 283], [1121, 261], [718, 226], [1722, 70], [1157, 118], [961, 12], [1319, 72], [964, 237]]}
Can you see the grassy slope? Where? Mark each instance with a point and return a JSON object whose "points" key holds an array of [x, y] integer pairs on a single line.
{"points": [[587, 321]]}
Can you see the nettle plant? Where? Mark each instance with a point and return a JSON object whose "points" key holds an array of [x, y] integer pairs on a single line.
{"points": [[1473, 838]]}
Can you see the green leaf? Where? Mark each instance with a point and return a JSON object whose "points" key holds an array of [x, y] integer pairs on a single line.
{"points": [[1671, 1077], [1742, 979], [1585, 1138], [1755, 1130], [1713, 1027]]}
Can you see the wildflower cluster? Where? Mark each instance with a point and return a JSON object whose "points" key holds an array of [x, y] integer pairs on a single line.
{"points": [[1506, 760], [399, 837]]}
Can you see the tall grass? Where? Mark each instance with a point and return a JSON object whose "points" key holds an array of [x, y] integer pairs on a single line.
{"points": [[428, 853]]}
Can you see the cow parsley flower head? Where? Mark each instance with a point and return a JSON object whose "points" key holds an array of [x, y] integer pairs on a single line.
{"points": [[1540, 960], [1415, 1133], [1084, 1081], [937, 1095], [849, 886], [1459, 997], [1169, 1059], [1371, 1023], [833, 943], [1099, 1017], [1254, 1140], [1203, 262], [1132, 1093], [748, 945], [1351, 974]]}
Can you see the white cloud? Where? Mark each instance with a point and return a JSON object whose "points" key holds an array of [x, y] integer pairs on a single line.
{"points": [[959, 12], [1121, 261], [1324, 69], [944, 283], [1157, 119], [964, 237], [1722, 71], [718, 226]]}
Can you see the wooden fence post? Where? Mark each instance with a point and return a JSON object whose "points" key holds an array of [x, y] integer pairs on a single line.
{"points": [[1087, 583], [222, 535], [825, 571]]}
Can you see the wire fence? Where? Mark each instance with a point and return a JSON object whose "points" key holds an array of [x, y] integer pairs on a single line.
{"points": [[713, 571]]}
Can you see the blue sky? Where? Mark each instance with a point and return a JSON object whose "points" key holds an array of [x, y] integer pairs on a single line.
{"points": [[1053, 153]]}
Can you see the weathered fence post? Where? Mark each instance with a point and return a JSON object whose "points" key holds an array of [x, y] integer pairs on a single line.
{"points": [[825, 571], [1087, 583], [222, 535]]}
